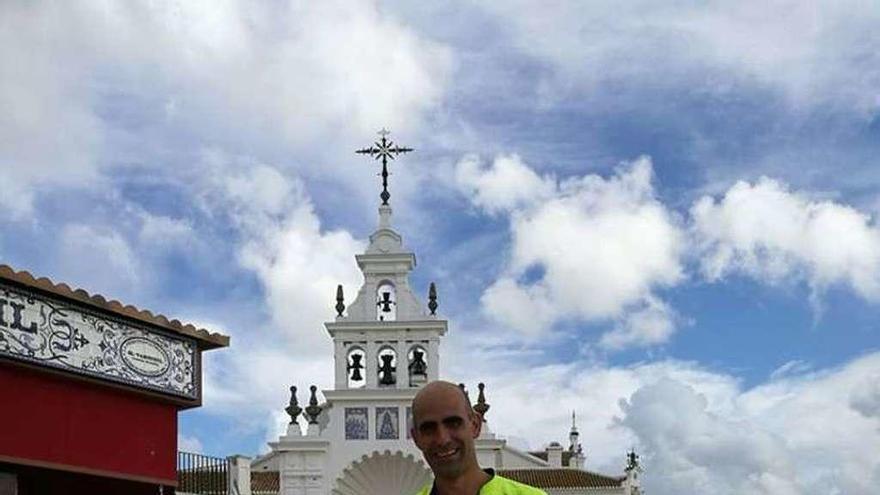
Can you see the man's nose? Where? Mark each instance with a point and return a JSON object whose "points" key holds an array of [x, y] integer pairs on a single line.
{"points": [[443, 436]]}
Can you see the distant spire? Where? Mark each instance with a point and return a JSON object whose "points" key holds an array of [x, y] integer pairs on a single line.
{"points": [[632, 460], [384, 149]]}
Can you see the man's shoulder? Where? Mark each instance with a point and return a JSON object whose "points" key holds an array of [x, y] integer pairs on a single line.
{"points": [[500, 485]]}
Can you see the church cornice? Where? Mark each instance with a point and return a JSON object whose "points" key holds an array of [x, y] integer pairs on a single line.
{"points": [[370, 394], [373, 262], [395, 327]]}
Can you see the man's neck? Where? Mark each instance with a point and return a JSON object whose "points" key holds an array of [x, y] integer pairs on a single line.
{"points": [[468, 483]]}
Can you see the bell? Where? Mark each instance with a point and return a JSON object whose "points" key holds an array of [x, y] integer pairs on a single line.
{"points": [[386, 371], [386, 302], [355, 367]]}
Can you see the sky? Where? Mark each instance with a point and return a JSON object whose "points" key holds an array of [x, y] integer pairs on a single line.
{"points": [[661, 215]]}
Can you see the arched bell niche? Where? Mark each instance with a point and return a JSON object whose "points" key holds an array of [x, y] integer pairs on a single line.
{"points": [[387, 366], [386, 301], [356, 367], [417, 365]]}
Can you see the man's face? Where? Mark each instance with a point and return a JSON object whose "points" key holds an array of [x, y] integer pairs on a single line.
{"points": [[444, 430]]}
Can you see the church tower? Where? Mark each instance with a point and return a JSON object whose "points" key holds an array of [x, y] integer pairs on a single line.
{"points": [[387, 339], [386, 344]]}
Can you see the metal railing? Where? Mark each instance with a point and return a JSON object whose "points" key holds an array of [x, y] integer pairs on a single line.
{"points": [[202, 474]]}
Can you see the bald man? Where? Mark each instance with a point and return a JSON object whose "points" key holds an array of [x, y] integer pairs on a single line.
{"points": [[444, 427]]}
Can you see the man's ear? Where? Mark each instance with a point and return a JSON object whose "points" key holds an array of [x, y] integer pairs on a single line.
{"points": [[476, 423]]}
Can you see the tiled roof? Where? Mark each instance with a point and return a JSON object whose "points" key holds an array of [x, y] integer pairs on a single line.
{"points": [[560, 478], [207, 340], [542, 454], [264, 482]]}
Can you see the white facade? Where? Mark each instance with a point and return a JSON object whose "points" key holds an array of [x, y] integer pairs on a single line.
{"points": [[360, 443]]}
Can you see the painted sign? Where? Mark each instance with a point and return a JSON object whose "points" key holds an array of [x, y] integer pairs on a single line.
{"points": [[43, 331]]}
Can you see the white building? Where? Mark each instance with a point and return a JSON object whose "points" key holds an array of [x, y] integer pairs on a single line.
{"points": [[386, 345]]}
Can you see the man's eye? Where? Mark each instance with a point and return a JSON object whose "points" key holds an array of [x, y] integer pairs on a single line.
{"points": [[454, 422], [427, 428]]}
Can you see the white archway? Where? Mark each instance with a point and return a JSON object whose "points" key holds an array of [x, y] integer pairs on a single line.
{"points": [[382, 473]]}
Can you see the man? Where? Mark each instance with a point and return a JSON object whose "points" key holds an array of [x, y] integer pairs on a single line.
{"points": [[444, 427]]}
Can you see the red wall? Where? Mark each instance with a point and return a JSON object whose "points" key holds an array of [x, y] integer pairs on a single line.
{"points": [[51, 419]]}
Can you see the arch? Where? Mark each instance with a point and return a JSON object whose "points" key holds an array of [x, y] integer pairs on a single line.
{"points": [[386, 301], [381, 473], [417, 365], [386, 359], [356, 366]]}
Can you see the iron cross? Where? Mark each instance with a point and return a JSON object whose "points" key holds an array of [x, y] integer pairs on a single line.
{"points": [[384, 149]]}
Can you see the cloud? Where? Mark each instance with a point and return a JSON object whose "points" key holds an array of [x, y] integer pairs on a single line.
{"points": [[298, 266], [186, 443], [866, 398], [767, 232], [98, 86], [696, 429], [652, 323], [48, 132], [693, 449], [813, 53], [100, 260], [505, 185], [163, 232], [793, 435], [594, 248]]}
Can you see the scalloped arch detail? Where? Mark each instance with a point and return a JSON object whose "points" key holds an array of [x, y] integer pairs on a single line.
{"points": [[384, 472]]}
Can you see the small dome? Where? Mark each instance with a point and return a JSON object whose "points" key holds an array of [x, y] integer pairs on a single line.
{"points": [[555, 444]]}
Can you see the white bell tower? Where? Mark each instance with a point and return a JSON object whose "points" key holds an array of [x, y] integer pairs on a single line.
{"points": [[386, 344], [387, 338]]}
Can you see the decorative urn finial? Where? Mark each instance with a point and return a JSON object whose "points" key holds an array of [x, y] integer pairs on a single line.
{"points": [[482, 406], [313, 409], [432, 299], [465, 392], [340, 300], [293, 409]]}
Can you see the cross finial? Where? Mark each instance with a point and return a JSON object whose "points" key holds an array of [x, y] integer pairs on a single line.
{"points": [[384, 149]]}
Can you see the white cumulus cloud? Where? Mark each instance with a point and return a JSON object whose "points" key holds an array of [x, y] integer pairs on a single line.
{"points": [[80, 74], [697, 430], [765, 231], [600, 246], [503, 185], [298, 265]]}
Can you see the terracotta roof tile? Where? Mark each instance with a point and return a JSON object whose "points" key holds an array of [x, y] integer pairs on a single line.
{"points": [[542, 454], [207, 340], [265, 482], [560, 478]]}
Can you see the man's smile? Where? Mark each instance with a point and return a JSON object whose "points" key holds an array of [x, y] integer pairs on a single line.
{"points": [[447, 454]]}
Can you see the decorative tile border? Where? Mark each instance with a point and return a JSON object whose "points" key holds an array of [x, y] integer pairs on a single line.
{"points": [[43, 331]]}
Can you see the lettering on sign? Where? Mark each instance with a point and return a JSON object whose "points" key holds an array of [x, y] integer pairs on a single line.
{"points": [[144, 356], [43, 331]]}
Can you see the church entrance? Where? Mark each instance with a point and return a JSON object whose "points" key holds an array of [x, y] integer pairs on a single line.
{"points": [[383, 473]]}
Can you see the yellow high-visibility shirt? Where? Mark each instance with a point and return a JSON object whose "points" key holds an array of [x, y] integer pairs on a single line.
{"points": [[498, 485]]}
